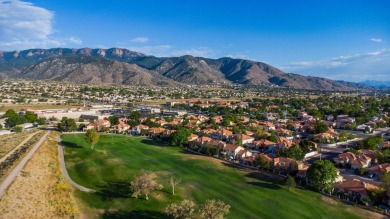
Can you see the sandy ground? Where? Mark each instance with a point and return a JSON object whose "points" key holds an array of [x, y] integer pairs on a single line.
{"points": [[40, 191]]}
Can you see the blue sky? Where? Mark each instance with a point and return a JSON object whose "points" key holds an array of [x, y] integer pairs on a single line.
{"points": [[344, 40]]}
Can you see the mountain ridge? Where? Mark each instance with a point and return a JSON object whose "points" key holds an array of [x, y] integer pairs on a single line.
{"points": [[88, 65]]}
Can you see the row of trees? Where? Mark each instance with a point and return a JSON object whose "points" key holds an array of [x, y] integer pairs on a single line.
{"points": [[14, 119]]}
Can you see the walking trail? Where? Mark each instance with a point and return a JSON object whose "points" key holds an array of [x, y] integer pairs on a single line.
{"points": [[65, 171]]}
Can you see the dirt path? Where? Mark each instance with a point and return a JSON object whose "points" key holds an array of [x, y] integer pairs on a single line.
{"points": [[40, 190], [12, 175], [65, 171], [17, 147]]}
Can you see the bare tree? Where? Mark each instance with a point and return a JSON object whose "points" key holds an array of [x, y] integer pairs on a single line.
{"points": [[144, 184], [173, 183], [214, 209], [182, 210]]}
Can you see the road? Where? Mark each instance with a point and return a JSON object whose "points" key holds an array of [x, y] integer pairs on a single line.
{"points": [[15, 172], [65, 171], [17, 147]]}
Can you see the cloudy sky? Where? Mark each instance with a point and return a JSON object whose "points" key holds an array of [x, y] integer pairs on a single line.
{"points": [[344, 40]]}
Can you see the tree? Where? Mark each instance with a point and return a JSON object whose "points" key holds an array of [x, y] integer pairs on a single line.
{"points": [[214, 209], [295, 152], [1, 127], [113, 120], [321, 174], [18, 129], [290, 182], [10, 113], [173, 183], [31, 117], [41, 121], [144, 184], [385, 179], [67, 125], [182, 210], [263, 161], [320, 127], [180, 137], [92, 137]]}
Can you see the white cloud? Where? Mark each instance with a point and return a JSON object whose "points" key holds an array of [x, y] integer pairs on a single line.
{"points": [[75, 40], [168, 51], [140, 40], [376, 40], [198, 52], [372, 65], [23, 25], [239, 55]]}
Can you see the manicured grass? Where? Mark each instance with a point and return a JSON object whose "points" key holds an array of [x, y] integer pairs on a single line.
{"points": [[116, 159]]}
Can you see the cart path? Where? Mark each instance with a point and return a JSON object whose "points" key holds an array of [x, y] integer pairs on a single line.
{"points": [[15, 172], [65, 171]]}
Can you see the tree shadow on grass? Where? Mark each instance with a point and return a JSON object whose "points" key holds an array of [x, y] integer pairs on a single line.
{"points": [[115, 189], [133, 214], [70, 144], [153, 142], [265, 182]]}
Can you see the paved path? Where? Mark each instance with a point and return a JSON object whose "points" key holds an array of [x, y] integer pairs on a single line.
{"points": [[65, 172], [15, 172], [17, 147]]}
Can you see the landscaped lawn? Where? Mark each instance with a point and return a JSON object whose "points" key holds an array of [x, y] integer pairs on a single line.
{"points": [[111, 165]]}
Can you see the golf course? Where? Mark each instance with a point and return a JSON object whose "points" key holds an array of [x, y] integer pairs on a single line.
{"points": [[116, 159]]}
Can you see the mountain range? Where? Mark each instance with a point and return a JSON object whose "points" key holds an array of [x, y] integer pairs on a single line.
{"points": [[121, 66], [378, 84]]}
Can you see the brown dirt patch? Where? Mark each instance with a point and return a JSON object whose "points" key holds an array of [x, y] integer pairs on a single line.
{"points": [[329, 201], [40, 191]]}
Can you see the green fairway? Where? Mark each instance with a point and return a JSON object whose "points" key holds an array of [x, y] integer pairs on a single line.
{"points": [[110, 167]]}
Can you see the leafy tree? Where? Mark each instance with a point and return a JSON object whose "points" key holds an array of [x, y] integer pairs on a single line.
{"points": [[182, 210], [92, 137], [18, 129], [377, 195], [295, 152], [320, 127], [272, 138], [10, 113], [361, 171], [214, 209], [135, 115], [262, 161], [15, 120], [31, 117], [67, 125], [173, 183], [321, 174], [180, 137], [144, 184], [290, 182], [113, 120], [41, 121], [307, 146], [1, 127], [385, 179]]}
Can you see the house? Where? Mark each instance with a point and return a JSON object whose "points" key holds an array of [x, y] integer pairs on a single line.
{"points": [[137, 130], [261, 145], [121, 127], [356, 161], [384, 145], [243, 153], [379, 169], [231, 150], [155, 132], [192, 138], [245, 139], [355, 187], [283, 165], [98, 124]]}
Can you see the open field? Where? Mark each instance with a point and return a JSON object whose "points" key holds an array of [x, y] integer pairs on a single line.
{"points": [[40, 190], [18, 107], [110, 167], [9, 142]]}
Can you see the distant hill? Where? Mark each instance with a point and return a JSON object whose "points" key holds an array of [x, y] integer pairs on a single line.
{"points": [[379, 84], [121, 66]]}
